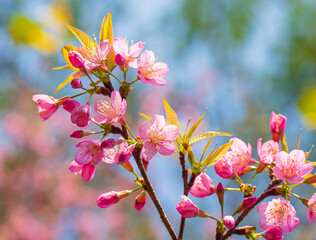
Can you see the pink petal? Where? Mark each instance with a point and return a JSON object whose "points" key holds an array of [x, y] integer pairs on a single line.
{"points": [[171, 132], [143, 132], [280, 159], [166, 148], [120, 46], [136, 49], [306, 169], [116, 97], [133, 64], [88, 172], [149, 151], [99, 119], [309, 215], [158, 121], [262, 208], [104, 48], [278, 173], [75, 168], [157, 81], [298, 156]]}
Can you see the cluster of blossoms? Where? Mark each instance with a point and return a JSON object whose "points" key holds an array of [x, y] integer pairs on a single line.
{"points": [[232, 160]]}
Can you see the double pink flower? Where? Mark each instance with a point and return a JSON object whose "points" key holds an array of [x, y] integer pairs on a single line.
{"points": [[157, 137]]}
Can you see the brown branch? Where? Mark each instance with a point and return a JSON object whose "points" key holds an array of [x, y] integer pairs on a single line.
{"points": [[270, 191], [186, 188], [151, 192]]}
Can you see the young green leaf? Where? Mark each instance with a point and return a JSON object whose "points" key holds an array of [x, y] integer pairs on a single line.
{"points": [[193, 128], [212, 158], [82, 37], [171, 114], [202, 136]]}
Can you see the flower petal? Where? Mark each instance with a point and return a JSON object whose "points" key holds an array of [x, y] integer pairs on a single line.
{"points": [[166, 148], [149, 151]]}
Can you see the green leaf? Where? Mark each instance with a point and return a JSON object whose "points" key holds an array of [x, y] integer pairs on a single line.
{"points": [[67, 80], [212, 158], [202, 136], [193, 128], [171, 114], [82, 37]]}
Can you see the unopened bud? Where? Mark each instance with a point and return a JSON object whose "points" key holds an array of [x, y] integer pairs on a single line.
{"points": [[120, 60], [220, 193], [229, 221], [246, 203], [76, 59], [140, 201], [106, 200], [110, 142], [80, 134], [76, 83]]}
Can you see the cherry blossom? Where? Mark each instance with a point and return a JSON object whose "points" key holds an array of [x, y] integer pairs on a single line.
{"points": [[291, 167], [158, 137], [202, 186], [187, 209], [90, 151], [47, 105], [118, 155], [311, 212]]}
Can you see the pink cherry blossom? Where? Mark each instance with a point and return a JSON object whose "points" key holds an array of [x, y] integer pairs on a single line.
{"points": [[229, 221], [81, 115], [126, 55], [278, 213], [277, 122], [95, 58], [291, 167], [90, 151], [106, 200], [118, 155], [140, 201], [149, 71], [274, 233], [311, 212], [202, 186], [267, 151], [234, 161], [110, 111], [47, 105], [187, 209], [86, 171], [158, 137]]}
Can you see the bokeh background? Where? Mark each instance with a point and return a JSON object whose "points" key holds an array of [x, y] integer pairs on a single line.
{"points": [[239, 59]]}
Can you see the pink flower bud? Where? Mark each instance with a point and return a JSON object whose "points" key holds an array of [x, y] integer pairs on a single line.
{"points": [[120, 60], [76, 83], [70, 104], [81, 115], [106, 200], [220, 193], [203, 186], [274, 233], [76, 59], [229, 221], [79, 134], [47, 105], [246, 202], [140, 201], [110, 142], [186, 208], [277, 123]]}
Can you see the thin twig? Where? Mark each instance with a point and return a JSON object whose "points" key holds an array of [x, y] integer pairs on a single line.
{"points": [[151, 192]]}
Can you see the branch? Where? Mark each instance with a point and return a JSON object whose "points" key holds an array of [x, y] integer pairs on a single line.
{"points": [[151, 192], [270, 191], [186, 188]]}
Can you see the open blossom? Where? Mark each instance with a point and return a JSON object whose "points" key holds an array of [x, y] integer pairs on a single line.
{"points": [[149, 71], [291, 167], [274, 233], [118, 155], [267, 151], [106, 200], [90, 151], [47, 105], [202, 186], [278, 213], [187, 209], [158, 137], [277, 123], [125, 55], [311, 212], [95, 58], [86, 171], [234, 161], [110, 111]]}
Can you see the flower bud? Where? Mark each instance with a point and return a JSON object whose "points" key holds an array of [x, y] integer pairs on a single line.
{"points": [[220, 193], [140, 201], [229, 221], [76, 59], [76, 83], [120, 60], [81, 115], [70, 104], [274, 233], [202, 186], [106, 200], [277, 124], [79, 134], [246, 202], [186, 208]]}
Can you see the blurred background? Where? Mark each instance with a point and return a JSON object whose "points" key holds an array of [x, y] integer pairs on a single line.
{"points": [[239, 59]]}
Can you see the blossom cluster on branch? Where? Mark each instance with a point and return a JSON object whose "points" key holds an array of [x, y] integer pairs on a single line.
{"points": [[96, 61]]}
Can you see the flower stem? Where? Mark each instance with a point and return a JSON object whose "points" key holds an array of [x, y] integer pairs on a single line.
{"points": [[232, 189], [297, 184], [238, 179], [253, 177], [209, 216], [134, 81], [77, 95], [131, 132]]}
